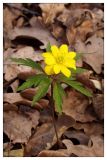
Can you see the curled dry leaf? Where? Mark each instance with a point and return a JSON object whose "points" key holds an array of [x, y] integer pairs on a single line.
{"points": [[84, 78], [93, 52], [16, 98], [39, 32], [52, 153], [29, 94], [76, 107], [9, 16], [18, 127], [93, 128], [80, 136], [96, 150], [45, 137], [50, 11], [98, 104]]}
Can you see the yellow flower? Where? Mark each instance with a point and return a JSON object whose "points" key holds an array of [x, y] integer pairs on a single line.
{"points": [[59, 60]]}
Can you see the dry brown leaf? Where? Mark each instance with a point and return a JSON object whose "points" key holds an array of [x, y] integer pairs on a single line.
{"points": [[96, 150], [39, 32], [29, 94], [98, 104], [18, 127], [81, 32], [50, 11], [15, 85], [45, 137], [75, 105], [80, 136], [93, 128], [9, 106], [9, 16], [16, 98], [52, 153], [58, 31], [84, 78], [93, 52], [26, 75], [14, 153], [11, 69]]}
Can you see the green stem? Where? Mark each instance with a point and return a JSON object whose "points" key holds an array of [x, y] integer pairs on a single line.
{"points": [[53, 116]]}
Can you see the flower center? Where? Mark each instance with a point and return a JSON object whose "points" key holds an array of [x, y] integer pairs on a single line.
{"points": [[60, 59]]}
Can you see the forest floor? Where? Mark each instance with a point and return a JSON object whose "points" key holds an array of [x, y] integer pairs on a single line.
{"points": [[28, 131]]}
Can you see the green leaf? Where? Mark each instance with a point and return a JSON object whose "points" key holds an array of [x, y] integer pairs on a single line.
{"points": [[42, 89], [27, 62], [78, 70], [62, 77], [79, 87], [58, 93], [34, 80], [48, 47]]}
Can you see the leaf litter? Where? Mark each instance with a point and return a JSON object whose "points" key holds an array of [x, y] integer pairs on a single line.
{"points": [[27, 30]]}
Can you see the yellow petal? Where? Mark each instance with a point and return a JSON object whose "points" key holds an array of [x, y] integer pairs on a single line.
{"points": [[71, 55], [57, 68], [46, 54], [50, 60], [64, 49], [49, 70], [54, 50], [70, 63], [66, 71]]}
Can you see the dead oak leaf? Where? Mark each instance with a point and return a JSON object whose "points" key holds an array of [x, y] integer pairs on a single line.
{"points": [[18, 127], [75, 105], [93, 52]]}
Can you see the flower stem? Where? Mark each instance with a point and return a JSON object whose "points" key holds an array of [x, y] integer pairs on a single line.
{"points": [[53, 116]]}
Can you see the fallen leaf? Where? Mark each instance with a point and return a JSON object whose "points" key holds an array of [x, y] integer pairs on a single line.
{"points": [[98, 104], [84, 78], [18, 127], [96, 150], [45, 137], [50, 11], [11, 69], [93, 52], [52, 153], [75, 105], [14, 153], [9, 16], [80, 136], [38, 32], [93, 128], [16, 98], [97, 84]]}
